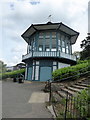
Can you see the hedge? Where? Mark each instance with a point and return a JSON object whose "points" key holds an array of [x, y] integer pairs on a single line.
{"points": [[62, 73], [12, 74]]}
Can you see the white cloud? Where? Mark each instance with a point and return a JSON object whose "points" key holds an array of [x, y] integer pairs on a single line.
{"points": [[18, 15]]}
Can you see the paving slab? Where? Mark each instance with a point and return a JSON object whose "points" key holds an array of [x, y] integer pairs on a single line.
{"points": [[25, 100]]}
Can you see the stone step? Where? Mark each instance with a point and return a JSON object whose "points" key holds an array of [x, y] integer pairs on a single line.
{"points": [[74, 89], [87, 81], [70, 92], [57, 97], [78, 86], [62, 94], [82, 84]]}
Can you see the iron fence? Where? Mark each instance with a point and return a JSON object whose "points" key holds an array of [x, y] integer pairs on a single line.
{"points": [[70, 107]]}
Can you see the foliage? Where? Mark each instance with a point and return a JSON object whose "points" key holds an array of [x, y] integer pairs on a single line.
{"points": [[2, 67], [85, 53], [12, 74], [83, 61], [78, 106], [81, 67], [83, 99]]}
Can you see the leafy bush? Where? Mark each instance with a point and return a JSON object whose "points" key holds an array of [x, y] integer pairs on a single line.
{"points": [[83, 61], [12, 74], [83, 99], [81, 67]]}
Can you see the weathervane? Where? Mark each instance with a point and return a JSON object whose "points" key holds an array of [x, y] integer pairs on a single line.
{"points": [[49, 18]]}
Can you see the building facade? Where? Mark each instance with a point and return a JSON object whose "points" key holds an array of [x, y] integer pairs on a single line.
{"points": [[49, 48]]}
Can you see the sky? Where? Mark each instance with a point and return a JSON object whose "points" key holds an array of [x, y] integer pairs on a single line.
{"points": [[17, 15]]}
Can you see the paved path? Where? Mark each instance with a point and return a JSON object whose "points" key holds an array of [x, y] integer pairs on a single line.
{"points": [[24, 100]]}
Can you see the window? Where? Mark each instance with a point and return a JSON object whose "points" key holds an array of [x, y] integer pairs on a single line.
{"points": [[67, 45], [33, 44], [37, 62], [63, 43], [59, 42], [41, 35], [53, 34], [33, 62], [47, 48], [53, 44], [47, 44], [53, 49], [40, 48], [62, 65], [40, 44], [63, 49], [54, 63], [67, 49], [47, 35]]}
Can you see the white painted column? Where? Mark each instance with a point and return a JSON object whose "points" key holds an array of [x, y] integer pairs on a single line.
{"points": [[26, 72]]}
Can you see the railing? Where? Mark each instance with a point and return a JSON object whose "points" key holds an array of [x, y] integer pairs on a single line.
{"points": [[69, 107], [49, 54]]}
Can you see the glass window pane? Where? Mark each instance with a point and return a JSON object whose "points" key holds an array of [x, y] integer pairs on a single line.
{"points": [[63, 43], [53, 34], [53, 43], [37, 62], [47, 35], [40, 48], [62, 65], [62, 37], [47, 49], [41, 35], [54, 63], [53, 49], [47, 44], [59, 48], [59, 42], [33, 62], [40, 41], [63, 49], [67, 51]]}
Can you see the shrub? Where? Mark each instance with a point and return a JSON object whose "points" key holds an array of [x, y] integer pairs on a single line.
{"points": [[75, 71], [12, 74]]}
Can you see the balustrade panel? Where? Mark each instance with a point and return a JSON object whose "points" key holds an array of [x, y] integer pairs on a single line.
{"points": [[49, 54]]}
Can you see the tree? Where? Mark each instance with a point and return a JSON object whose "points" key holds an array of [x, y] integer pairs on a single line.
{"points": [[85, 45], [2, 67], [77, 54]]}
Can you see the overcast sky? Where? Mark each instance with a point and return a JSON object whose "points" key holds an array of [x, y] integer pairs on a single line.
{"points": [[17, 15]]}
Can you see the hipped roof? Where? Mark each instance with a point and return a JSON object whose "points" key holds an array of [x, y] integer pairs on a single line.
{"points": [[50, 26]]}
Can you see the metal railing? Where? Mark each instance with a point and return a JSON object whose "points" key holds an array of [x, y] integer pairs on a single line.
{"points": [[70, 101]]}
